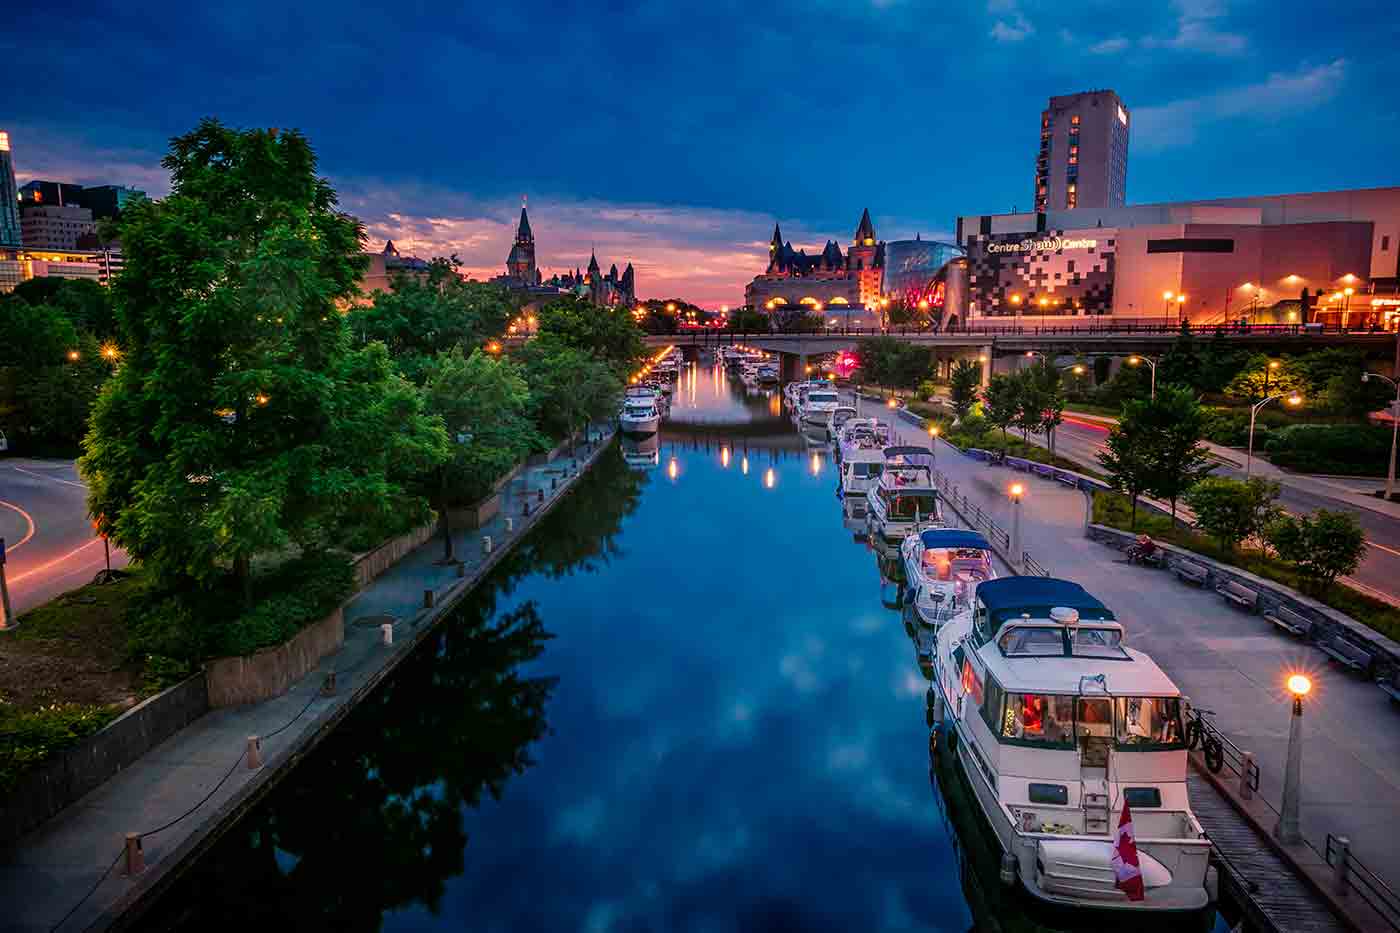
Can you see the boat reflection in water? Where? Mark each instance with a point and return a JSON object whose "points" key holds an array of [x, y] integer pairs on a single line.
{"points": [[642, 453]]}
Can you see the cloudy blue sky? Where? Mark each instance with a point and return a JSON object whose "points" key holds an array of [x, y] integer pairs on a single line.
{"points": [[674, 134]]}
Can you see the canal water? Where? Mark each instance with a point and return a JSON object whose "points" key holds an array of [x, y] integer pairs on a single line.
{"points": [[687, 701]]}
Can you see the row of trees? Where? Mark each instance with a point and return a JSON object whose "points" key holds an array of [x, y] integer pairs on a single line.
{"points": [[1031, 400], [259, 411]]}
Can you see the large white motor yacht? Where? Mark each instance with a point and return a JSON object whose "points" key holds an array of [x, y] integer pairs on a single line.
{"points": [[943, 568], [818, 404], [905, 499], [1057, 726], [639, 415]]}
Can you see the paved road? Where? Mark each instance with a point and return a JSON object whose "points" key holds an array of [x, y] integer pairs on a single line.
{"points": [[1227, 661], [48, 537], [1380, 570]]}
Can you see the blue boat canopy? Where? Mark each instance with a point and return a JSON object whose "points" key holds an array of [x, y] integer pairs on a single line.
{"points": [[1009, 597], [954, 538]]}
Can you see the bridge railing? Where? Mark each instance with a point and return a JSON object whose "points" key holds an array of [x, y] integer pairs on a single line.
{"points": [[1353, 875], [1013, 329]]}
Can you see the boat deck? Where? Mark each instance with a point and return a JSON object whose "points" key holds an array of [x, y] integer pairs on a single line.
{"points": [[1254, 875]]}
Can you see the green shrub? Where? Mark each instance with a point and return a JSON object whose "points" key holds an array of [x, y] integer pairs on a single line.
{"points": [[298, 593], [1351, 449], [30, 738]]}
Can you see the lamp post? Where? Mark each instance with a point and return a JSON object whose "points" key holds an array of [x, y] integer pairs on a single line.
{"points": [[1287, 830], [1016, 492], [1180, 306], [1293, 399], [1394, 423], [1167, 310], [1346, 305], [1152, 364], [7, 619]]}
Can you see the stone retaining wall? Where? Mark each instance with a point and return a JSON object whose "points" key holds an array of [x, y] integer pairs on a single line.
{"points": [[1326, 621], [371, 564], [272, 671], [73, 772]]}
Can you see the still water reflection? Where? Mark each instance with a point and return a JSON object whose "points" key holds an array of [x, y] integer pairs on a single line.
{"points": [[687, 702]]}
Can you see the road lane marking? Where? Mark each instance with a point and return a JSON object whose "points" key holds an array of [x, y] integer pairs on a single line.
{"points": [[55, 561], [52, 479], [27, 517]]}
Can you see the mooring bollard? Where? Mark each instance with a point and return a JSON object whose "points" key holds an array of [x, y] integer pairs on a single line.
{"points": [[525, 508], [429, 599], [328, 688], [486, 544], [135, 858], [1246, 766], [386, 633], [254, 753], [510, 525], [554, 482], [461, 569], [1341, 871], [541, 492]]}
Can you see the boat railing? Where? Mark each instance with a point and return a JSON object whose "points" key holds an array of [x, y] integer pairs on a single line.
{"points": [[1353, 875]]}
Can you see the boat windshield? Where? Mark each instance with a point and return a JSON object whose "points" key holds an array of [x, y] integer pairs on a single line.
{"points": [[1032, 641], [905, 506], [861, 469], [1148, 723], [957, 563], [821, 397], [1098, 643], [639, 411]]}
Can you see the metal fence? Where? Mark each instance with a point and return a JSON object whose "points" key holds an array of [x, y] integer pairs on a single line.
{"points": [[1353, 875], [1226, 754], [976, 518]]}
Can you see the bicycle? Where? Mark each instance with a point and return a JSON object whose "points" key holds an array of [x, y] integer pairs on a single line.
{"points": [[1201, 732]]}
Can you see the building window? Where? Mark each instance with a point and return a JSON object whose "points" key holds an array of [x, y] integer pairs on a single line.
{"points": [[1385, 243], [1183, 245]]}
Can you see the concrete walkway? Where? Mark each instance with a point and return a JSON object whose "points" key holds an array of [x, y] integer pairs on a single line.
{"points": [[72, 863], [1227, 661]]}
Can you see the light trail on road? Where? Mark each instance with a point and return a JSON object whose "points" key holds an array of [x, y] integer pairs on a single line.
{"points": [[29, 519]]}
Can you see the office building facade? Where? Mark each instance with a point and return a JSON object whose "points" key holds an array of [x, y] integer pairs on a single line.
{"points": [[10, 231], [49, 226], [1083, 155]]}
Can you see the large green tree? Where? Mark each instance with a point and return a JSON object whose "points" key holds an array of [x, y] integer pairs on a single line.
{"points": [[1127, 455], [240, 422], [1232, 510], [606, 334], [1174, 424], [1323, 546], [963, 387], [423, 315], [569, 387], [1001, 402]]}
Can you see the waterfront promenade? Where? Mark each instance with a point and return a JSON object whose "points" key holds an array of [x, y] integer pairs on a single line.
{"points": [[1224, 660], [73, 862]]}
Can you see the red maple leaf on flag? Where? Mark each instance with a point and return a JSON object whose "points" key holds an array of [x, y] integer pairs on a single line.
{"points": [[1127, 871]]}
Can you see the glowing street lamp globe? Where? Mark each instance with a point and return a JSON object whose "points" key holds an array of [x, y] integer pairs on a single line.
{"points": [[1299, 685]]}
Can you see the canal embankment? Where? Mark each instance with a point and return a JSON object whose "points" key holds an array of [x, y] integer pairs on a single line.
{"points": [[96, 864]]}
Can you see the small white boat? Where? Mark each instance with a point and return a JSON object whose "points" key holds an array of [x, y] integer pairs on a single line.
{"points": [[943, 567], [862, 433], [860, 472], [839, 416], [639, 416], [818, 404], [905, 500], [1057, 726]]}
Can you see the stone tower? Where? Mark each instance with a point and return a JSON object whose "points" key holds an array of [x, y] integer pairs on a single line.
{"points": [[521, 262], [863, 259]]}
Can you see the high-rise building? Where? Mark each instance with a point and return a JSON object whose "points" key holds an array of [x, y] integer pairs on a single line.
{"points": [[56, 193], [48, 225], [107, 200], [1083, 159], [9, 203]]}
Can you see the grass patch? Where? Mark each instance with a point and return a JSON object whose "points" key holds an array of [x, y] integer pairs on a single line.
{"points": [[1112, 509], [1014, 447], [1089, 408]]}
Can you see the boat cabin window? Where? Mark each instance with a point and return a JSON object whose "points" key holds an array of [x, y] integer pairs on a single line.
{"points": [[1091, 642], [905, 506], [1142, 798], [866, 469], [639, 411], [1148, 723], [1041, 718], [1032, 641], [821, 396], [992, 696], [1049, 793], [957, 563]]}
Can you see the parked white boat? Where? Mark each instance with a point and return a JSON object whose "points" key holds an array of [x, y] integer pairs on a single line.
{"points": [[860, 472], [839, 416], [858, 433], [639, 416], [905, 500], [818, 405], [1057, 725], [943, 568]]}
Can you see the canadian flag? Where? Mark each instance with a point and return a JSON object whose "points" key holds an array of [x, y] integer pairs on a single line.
{"points": [[1127, 871]]}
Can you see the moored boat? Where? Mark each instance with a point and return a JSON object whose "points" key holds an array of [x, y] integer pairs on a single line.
{"points": [[944, 567], [905, 499]]}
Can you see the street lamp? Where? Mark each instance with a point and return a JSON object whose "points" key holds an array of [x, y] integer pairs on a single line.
{"points": [[1394, 424], [1346, 304], [1180, 306], [1016, 492], [1294, 399], [1167, 300], [1152, 364], [1287, 829]]}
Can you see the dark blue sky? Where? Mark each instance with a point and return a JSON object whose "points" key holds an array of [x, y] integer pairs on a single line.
{"points": [[674, 134]]}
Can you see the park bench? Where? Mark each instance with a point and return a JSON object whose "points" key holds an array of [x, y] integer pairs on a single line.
{"points": [[1392, 686], [1288, 620], [1158, 558], [1239, 594], [1190, 572], [1348, 654]]}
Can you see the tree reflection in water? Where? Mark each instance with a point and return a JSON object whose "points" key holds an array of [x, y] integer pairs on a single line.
{"points": [[372, 820]]}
